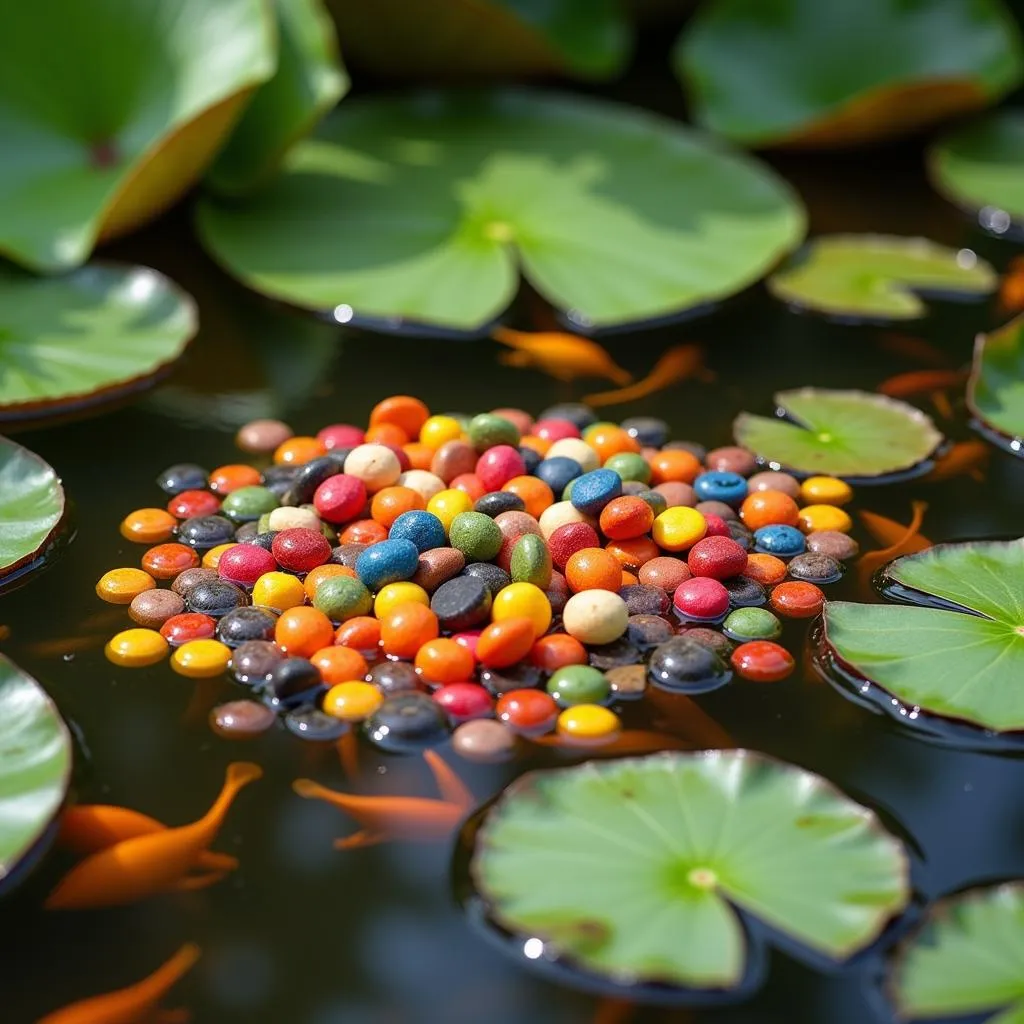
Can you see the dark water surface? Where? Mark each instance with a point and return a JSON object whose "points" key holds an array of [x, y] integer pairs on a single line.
{"points": [[302, 934]]}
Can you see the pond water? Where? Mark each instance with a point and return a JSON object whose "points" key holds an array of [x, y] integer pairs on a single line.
{"points": [[303, 934]]}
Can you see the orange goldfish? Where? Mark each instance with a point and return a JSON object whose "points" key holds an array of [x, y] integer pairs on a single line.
{"points": [[899, 540], [965, 457], [387, 818], [1011, 291], [154, 862], [914, 349], [560, 355], [135, 1004], [925, 382], [677, 364]]}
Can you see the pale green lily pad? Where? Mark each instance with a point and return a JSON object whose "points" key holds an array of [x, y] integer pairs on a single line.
{"points": [[980, 167], [309, 81], [31, 508], [878, 277], [111, 109], [425, 208], [967, 958], [995, 391], [962, 659], [786, 72], [852, 434], [636, 868], [448, 39], [35, 764], [88, 336]]}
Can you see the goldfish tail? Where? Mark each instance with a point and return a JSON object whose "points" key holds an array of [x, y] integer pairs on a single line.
{"points": [[452, 788], [310, 790], [211, 861], [358, 840], [192, 883], [238, 775], [169, 973]]}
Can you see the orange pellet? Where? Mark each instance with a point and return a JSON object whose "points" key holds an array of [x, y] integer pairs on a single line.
{"points": [[339, 664], [361, 633], [225, 479], [504, 643], [297, 451], [166, 561], [406, 628], [765, 569], [363, 531], [632, 554], [609, 440], [626, 517], [402, 411], [536, 494], [322, 572], [469, 483], [387, 433], [628, 579], [593, 569], [420, 455], [675, 465], [556, 650], [797, 600], [769, 508], [390, 502], [539, 444], [303, 631], [148, 525], [444, 661]]}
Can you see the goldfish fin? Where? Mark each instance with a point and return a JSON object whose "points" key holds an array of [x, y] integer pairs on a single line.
{"points": [[191, 883], [452, 788], [706, 375], [211, 861], [977, 475], [506, 336], [617, 375], [519, 360], [359, 840], [348, 753], [942, 404], [241, 773]]}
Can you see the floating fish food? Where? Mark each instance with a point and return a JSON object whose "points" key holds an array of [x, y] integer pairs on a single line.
{"points": [[503, 579]]}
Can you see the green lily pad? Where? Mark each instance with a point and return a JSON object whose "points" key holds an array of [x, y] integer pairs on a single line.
{"points": [[31, 508], [878, 277], [425, 208], [785, 72], [35, 764], [851, 434], [958, 651], [111, 109], [85, 337], [967, 958], [484, 39], [995, 391], [637, 868], [980, 167], [309, 81]]}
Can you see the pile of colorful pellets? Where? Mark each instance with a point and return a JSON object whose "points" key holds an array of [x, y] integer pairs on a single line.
{"points": [[482, 578]]}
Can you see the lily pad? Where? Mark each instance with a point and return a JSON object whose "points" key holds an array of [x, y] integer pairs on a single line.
{"points": [[968, 958], [87, 336], [785, 72], [958, 649], [35, 764], [980, 167], [995, 391], [644, 869], [309, 81], [851, 434], [486, 38], [129, 102], [31, 508], [423, 209], [878, 277]]}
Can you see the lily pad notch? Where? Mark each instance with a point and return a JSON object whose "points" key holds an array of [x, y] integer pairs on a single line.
{"points": [[857, 435], [35, 766], [953, 650], [995, 390], [422, 211], [672, 870]]}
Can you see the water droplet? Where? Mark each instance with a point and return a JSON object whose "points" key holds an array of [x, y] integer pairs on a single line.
{"points": [[966, 259], [533, 949], [995, 220], [343, 313]]}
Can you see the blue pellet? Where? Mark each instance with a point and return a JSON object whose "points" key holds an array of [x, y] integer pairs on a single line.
{"points": [[423, 529], [390, 561], [592, 491], [783, 541]]}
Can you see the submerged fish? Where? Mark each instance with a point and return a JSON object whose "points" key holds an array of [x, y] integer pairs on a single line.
{"points": [[677, 364], [560, 355], [914, 349], [925, 382], [1011, 290], [965, 458], [385, 818], [898, 540], [136, 1004], [161, 861]]}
